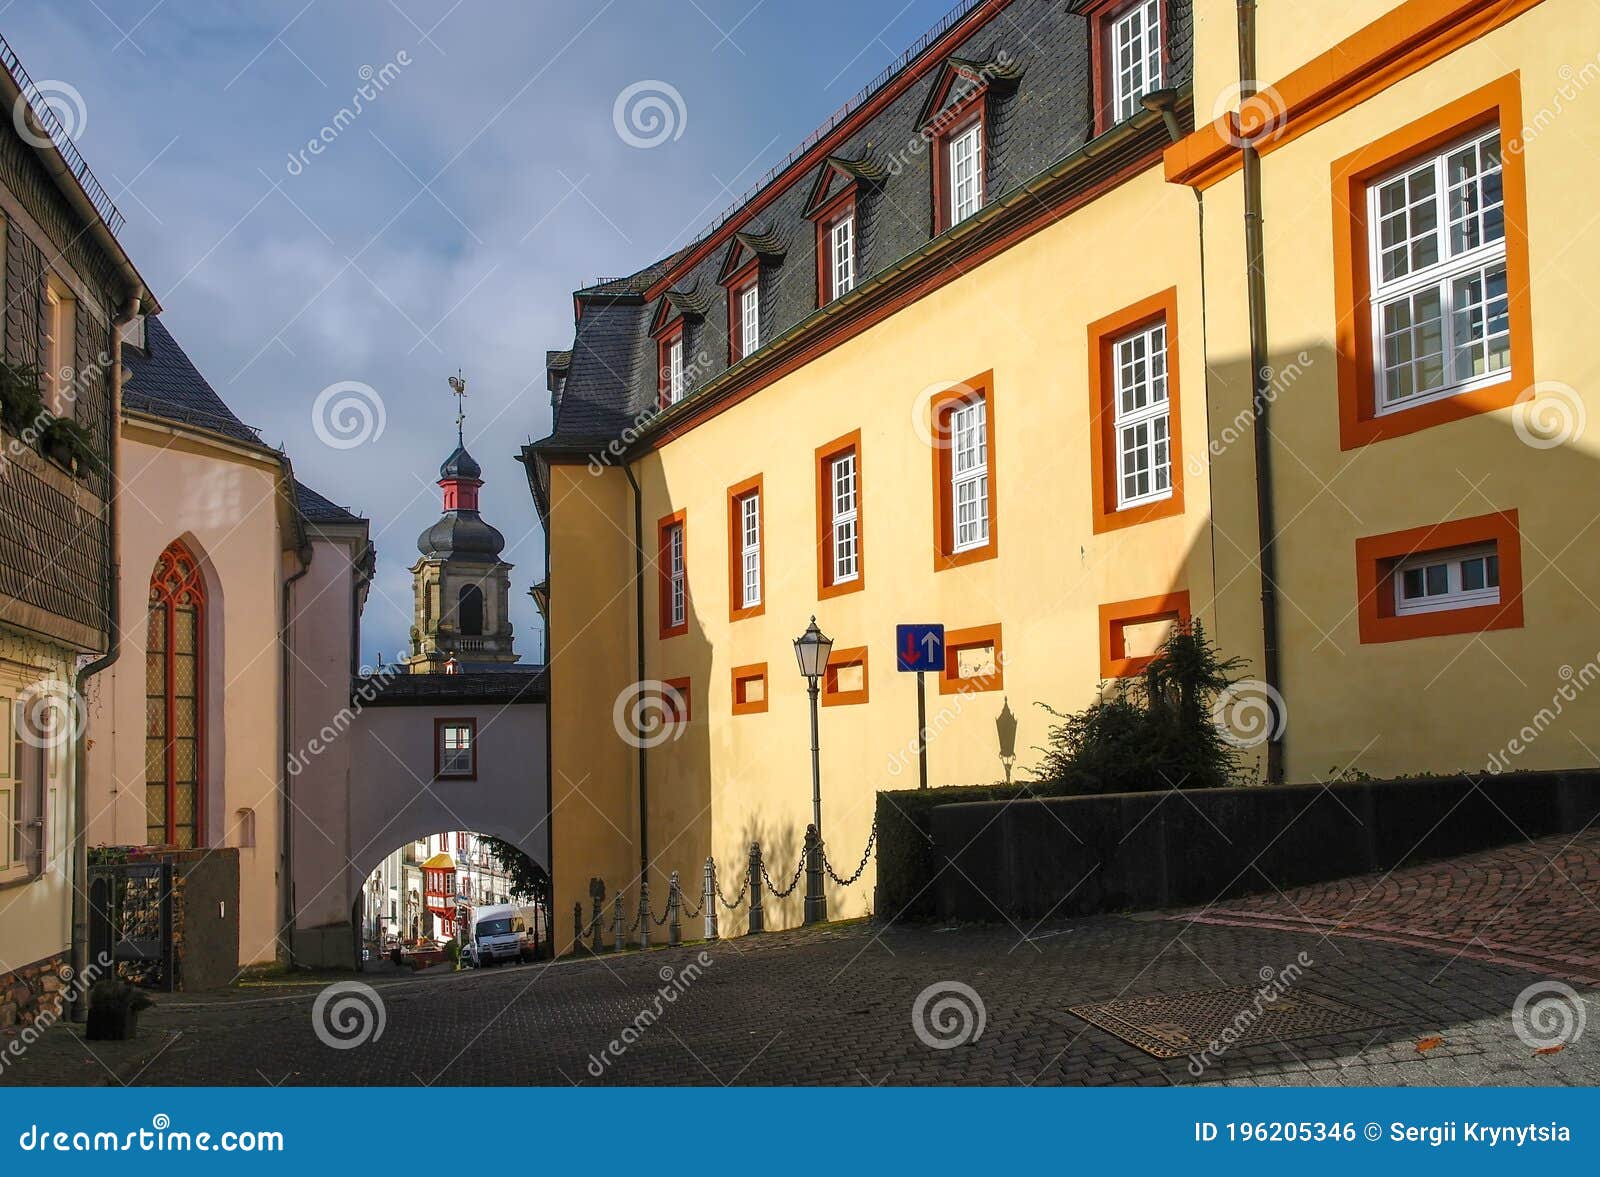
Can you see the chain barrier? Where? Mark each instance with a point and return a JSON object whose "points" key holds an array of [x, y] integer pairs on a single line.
{"points": [[779, 892], [688, 912], [866, 856], [744, 889]]}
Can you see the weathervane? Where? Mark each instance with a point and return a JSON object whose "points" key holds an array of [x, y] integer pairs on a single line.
{"points": [[458, 388]]}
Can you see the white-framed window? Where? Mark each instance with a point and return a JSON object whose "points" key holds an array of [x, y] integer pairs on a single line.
{"points": [[1143, 416], [677, 579], [969, 474], [750, 550], [23, 793], [1135, 50], [845, 497], [1460, 579], [965, 162], [1441, 320], [457, 750], [675, 371], [842, 254], [750, 318]]}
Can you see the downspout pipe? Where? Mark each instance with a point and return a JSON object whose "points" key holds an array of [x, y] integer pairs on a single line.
{"points": [[638, 640], [286, 806], [1261, 401], [79, 949]]}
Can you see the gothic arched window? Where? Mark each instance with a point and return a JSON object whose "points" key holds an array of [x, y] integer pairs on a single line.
{"points": [[469, 611], [174, 670]]}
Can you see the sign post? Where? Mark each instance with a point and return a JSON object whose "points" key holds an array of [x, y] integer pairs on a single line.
{"points": [[919, 649]]}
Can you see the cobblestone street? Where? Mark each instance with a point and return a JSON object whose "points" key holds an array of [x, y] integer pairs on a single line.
{"points": [[836, 1005]]}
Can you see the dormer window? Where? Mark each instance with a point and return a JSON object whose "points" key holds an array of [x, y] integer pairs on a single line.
{"points": [[749, 318], [1130, 53], [842, 255], [964, 163], [954, 121], [750, 255], [671, 379]]}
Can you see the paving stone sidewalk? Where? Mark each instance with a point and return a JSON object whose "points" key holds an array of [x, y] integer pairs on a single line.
{"points": [[836, 1005]]}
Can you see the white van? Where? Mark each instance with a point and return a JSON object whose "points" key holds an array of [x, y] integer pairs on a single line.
{"points": [[506, 931]]}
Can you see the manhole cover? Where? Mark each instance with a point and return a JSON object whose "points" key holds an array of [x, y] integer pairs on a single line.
{"points": [[1177, 1024]]}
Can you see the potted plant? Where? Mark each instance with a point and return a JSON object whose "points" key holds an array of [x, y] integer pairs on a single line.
{"points": [[114, 1007], [20, 402]]}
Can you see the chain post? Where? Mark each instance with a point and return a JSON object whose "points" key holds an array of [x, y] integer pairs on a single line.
{"points": [[816, 905], [577, 924], [597, 892], [710, 899], [616, 922], [674, 932], [756, 924], [644, 913]]}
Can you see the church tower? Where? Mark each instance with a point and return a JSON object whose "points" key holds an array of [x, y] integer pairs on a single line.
{"points": [[461, 586]]}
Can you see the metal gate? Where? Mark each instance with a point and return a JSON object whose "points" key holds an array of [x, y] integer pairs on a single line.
{"points": [[130, 921]]}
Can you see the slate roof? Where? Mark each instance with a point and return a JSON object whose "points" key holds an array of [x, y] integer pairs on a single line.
{"points": [[1042, 114], [164, 382], [315, 508], [511, 684]]}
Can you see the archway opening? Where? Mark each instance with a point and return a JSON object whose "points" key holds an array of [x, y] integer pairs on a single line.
{"points": [[456, 896]]}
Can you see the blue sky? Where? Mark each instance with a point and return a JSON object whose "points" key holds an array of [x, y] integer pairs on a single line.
{"points": [[448, 223]]}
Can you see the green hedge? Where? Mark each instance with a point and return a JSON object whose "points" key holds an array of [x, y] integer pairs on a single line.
{"points": [[906, 862]]}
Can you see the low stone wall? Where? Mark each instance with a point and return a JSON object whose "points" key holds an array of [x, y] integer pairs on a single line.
{"points": [[1073, 856], [32, 992]]}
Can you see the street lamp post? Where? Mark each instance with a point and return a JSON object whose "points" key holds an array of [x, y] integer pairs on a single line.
{"points": [[811, 650]]}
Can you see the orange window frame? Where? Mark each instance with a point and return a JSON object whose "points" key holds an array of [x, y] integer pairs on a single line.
{"points": [[956, 640], [826, 454], [940, 410], [1377, 556], [1107, 516], [664, 528], [838, 660], [737, 493], [678, 691], [1498, 103], [1117, 617], [748, 674]]}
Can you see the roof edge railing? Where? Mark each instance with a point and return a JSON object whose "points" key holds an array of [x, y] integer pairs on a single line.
{"points": [[45, 114]]}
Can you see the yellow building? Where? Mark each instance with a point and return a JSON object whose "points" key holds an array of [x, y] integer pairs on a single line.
{"points": [[981, 354]]}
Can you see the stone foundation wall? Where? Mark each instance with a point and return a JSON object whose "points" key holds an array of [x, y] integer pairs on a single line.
{"points": [[32, 990]]}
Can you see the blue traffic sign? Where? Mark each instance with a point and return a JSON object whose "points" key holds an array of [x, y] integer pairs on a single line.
{"points": [[919, 647]]}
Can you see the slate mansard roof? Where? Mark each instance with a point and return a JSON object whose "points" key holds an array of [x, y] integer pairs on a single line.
{"points": [[1040, 110]]}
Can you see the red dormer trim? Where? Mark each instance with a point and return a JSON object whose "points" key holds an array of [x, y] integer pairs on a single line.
{"points": [[836, 209], [737, 283], [944, 127], [665, 337]]}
